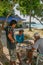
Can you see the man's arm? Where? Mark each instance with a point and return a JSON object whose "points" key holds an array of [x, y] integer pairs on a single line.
{"points": [[33, 49], [23, 37], [10, 37]]}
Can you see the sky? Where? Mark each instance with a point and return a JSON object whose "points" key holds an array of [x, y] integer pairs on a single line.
{"points": [[17, 12]]}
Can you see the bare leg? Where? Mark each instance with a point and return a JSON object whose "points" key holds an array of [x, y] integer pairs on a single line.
{"points": [[19, 59], [12, 63], [29, 55]]}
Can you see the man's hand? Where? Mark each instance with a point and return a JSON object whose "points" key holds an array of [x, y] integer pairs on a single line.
{"points": [[12, 41], [11, 38]]}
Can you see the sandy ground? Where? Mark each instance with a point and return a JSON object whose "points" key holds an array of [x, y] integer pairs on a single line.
{"points": [[31, 33]]}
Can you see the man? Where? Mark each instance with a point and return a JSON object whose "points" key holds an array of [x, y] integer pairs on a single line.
{"points": [[11, 45], [20, 36], [38, 45]]}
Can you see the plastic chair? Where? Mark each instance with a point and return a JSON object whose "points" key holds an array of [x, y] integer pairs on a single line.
{"points": [[39, 57]]}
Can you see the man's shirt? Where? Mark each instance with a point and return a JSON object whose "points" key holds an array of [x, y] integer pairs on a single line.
{"points": [[10, 45], [20, 38], [39, 45]]}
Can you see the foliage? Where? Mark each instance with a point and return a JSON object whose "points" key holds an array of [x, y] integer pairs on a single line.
{"points": [[32, 8], [6, 7], [42, 0], [34, 5], [19, 26]]}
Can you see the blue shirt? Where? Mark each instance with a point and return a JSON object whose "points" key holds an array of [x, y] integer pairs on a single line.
{"points": [[20, 38]]}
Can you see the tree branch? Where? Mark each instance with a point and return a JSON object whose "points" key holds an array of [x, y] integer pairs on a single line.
{"points": [[38, 20], [8, 16]]}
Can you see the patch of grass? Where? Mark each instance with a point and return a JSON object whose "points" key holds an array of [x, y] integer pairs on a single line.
{"points": [[6, 63]]}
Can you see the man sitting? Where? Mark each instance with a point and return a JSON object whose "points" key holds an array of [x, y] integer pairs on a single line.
{"points": [[38, 43]]}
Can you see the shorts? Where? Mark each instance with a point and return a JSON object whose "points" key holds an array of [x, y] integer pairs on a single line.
{"points": [[13, 55]]}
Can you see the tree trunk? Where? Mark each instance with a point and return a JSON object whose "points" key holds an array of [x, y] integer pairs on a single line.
{"points": [[1, 47], [30, 22]]}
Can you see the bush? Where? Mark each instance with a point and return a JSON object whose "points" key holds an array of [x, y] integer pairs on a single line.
{"points": [[18, 26]]}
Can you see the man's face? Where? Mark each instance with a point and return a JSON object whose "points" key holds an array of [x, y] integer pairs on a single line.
{"points": [[36, 37], [14, 25]]}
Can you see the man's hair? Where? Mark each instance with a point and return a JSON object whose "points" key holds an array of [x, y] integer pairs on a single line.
{"points": [[36, 34], [13, 22], [21, 30]]}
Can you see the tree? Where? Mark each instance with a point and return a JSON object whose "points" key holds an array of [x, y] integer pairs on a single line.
{"points": [[42, 0], [1, 47], [30, 7], [6, 7]]}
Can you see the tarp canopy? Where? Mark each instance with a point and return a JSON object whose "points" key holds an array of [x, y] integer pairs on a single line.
{"points": [[17, 18]]}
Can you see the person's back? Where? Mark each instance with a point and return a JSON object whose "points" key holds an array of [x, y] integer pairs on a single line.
{"points": [[39, 45]]}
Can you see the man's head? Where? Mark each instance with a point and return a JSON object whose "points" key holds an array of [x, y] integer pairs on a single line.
{"points": [[13, 23], [36, 36], [21, 32]]}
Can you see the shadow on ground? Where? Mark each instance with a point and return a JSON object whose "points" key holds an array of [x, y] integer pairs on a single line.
{"points": [[4, 60]]}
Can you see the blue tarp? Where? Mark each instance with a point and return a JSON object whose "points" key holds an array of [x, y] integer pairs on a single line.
{"points": [[2, 18], [17, 18]]}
